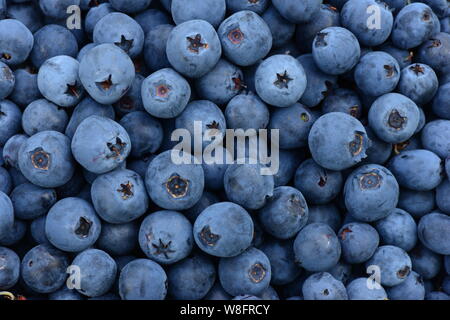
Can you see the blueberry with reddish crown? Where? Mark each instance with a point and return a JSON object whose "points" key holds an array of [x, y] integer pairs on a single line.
{"points": [[174, 185], [72, 225], [433, 232], [359, 290], [245, 38], [7, 81], [247, 111], [132, 100], [9, 268], [6, 215], [155, 47], [119, 196], [106, 73], [335, 50], [45, 159], [16, 42], [419, 83], [121, 30], [258, 6], [377, 73], [223, 229], [193, 48], [280, 80], [338, 141], [109, 148], [297, 12], [212, 11], [31, 201], [248, 273], [436, 137], [394, 117], [10, 119], [323, 286], [42, 115], [371, 193], [359, 242]]}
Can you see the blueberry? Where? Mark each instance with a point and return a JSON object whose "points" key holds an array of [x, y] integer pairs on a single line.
{"points": [[217, 293], [130, 7], [7, 81], [417, 203], [72, 225], [425, 262], [56, 8], [419, 83], [394, 265], [214, 172], [335, 50], [142, 279], [9, 268], [16, 42], [323, 286], [10, 119], [65, 294], [432, 231], [343, 100], [212, 11], [359, 242], [152, 18], [419, 169], [435, 52], [166, 237], [45, 159], [258, 6], [119, 196], [207, 199], [282, 29], [245, 38], [403, 56], [43, 269], [442, 196], [223, 229], [193, 48], [437, 295], [50, 41], [247, 273], [441, 105], [413, 25], [359, 289], [247, 111], [297, 12], [410, 289], [280, 80], [155, 47], [107, 73], [398, 229], [118, 239], [100, 144], [325, 213], [11, 149], [338, 141], [42, 115], [95, 14], [289, 162], [436, 137], [394, 117], [440, 7], [191, 278], [26, 89], [15, 234], [31, 201], [6, 182]]}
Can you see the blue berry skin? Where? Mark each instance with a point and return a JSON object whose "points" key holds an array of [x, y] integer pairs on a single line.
{"points": [[221, 84], [377, 73], [50, 41], [207, 199], [10, 268], [425, 262], [247, 111], [85, 50], [442, 196], [7, 81], [132, 100], [323, 286], [42, 115], [318, 185], [437, 295], [398, 229], [56, 9], [15, 234], [403, 56], [335, 50], [341, 271], [371, 193], [413, 25], [155, 47], [165, 93], [282, 262], [245, 185], [256, 6], [245, 37], [146, 133], [107, 73], [436, 137], [214, 172], [6, 182], [289, 162], [417, 203], [285, 213], [10, 120], [118, 239], [359, 290], [65, 294], [441, 102], [282, 30], [358, 241], [280, 80], [16, 42], [419, 83], [338, 141], [72, 225], [212, 11], [94, 15], [327, 16], [152, 18], [394, 264], [394, 118], [318, 84], [142, 279], [223, 229], [297, 12], [166, 237], [217, 293], [435, 52], [119, 196], [191, 278], [45, 159], [356, 14], [17, 177], [26, 89], [317, 248], [31, 201], [433, 232], [130, 7], [121, 30], [11, 150], [325, 213], [174, 186], [248, 273], [411, 289], [419, 170], [43, 269], [193, 48], [100, 144], [343, 100]]}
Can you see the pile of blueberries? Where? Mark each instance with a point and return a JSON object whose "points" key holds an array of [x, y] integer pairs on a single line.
{"points": [[92, 205]]}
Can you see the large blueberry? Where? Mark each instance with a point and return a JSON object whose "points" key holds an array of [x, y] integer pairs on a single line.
{"points": [[433, 232], [16, 42], [436, 137], [155, 47], [42, 115], [419, 83], [359, 242], [247, 111], [398, 229], [31, 201]]}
